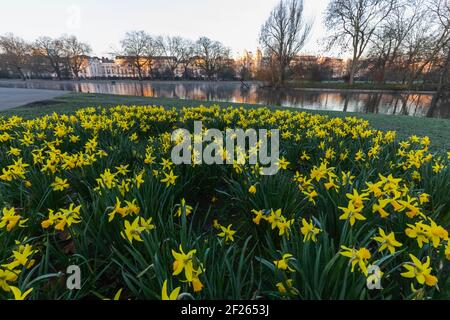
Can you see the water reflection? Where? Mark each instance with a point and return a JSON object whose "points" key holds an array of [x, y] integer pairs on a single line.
{"points": [[415, 104]]}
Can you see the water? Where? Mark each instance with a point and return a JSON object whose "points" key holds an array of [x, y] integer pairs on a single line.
{"points": [[414, 104]]}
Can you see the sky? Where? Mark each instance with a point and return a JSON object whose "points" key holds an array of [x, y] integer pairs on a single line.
{"points": [[102, 23]]}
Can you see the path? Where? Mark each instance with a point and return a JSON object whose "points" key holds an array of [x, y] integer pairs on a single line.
{"points": [[12, 97]]}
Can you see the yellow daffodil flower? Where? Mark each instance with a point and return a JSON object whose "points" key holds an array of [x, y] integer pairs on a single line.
{"points": [[308, 231], [18, 295], [169, 296], [184, 262], [420, 271], [227, 233], [357, 257], [351, 213], [283, 263], [387, 241], [60, 184]]}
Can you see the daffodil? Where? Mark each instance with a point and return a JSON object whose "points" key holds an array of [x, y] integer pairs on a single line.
{"points": [[68, 217], [10, 219], [387, 241], [117, 209], [437, 233], [227, 233], [311, 195], [447, 251], [282, 163], [309, 231], [166, 164], [52, 218], [321, 172], [331, 184], [196, 284], [169, 179], [122, 169], [277, 220], [138, 179], [107, 179], [359, 155], [123, 211], [216, 224], [18, 295], [287, 287], [380, 207], [133, 230], [357, 257], [411, 205], [389, 183], [357, 199], [283, 263], [184, 262], [165, 295], [424, 198], [184, 208], [420, 271], [7, 277], [374, 188], [60, 184], [351, 213], [259, 214], [116, 296], [14, 152], [252, 189], [418, 231]]}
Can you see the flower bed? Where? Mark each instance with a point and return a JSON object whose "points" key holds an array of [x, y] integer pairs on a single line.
{"points": [[352, 212]]}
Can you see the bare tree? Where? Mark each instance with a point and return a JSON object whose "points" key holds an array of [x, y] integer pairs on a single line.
{"points": [[16, 53], [284, 34], [389, 39], [352, 24], [75, 53], [441, 10], [53, 51], [212, 56], [177, 49], [189, 56], [424, 44], [137, 49]]}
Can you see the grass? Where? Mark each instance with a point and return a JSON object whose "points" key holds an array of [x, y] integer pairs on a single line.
{"points": [[361, 86], [437, 129]]}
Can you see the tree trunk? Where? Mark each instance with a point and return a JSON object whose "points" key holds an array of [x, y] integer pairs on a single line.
{"points": [[139, 72], [442, 86], [58, 74], [282, 73], [76, 75], [22, 75], [351, 80]]}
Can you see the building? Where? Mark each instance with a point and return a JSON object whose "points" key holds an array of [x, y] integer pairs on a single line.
{"points": [[124, 67], [249, 63], [160, 67]]}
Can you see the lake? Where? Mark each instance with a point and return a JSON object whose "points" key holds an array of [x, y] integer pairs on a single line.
{"points": [[413, 104]]}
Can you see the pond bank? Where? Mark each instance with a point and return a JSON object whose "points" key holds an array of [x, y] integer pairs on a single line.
{"points": [[437, 129]]}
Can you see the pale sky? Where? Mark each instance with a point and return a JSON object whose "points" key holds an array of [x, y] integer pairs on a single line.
{"points": [[102, 23]]}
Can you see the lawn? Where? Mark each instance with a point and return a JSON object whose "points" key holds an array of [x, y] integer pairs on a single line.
{"points": [[360, 86], [437, 129]]}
